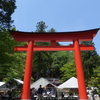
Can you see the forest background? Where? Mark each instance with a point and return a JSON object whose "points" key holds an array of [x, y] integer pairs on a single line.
{"points": [[60, 64]]}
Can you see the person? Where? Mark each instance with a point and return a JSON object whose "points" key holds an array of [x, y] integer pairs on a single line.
{"points": [[93, 97], [3, 96], [40, 92], [48, 72], [62, 94], [10, 94], [33, 92]]}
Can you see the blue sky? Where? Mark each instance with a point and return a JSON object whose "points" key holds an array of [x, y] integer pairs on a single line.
{"points": [[62, 15]]}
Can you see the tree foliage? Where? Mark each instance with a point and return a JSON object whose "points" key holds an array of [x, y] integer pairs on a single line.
{"points": [[41, 26], [67, 71], [95, 79], [42, 59], [11, 63], [91, 63], [90, 59], [7, 8], [59, 58]]}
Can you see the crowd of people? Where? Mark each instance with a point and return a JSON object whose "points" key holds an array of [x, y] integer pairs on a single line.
{"points": [[40, 93], [34, 94], [7, 95]]}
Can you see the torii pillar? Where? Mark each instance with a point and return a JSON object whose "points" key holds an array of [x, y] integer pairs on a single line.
{"points": [[32, 37], [80, 72]]}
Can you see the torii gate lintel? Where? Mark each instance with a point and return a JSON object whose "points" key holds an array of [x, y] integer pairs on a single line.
{"points": [[54, 48]]}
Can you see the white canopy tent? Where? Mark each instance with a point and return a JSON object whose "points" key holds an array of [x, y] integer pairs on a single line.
{"points": [[1, 83], [18, 81], [41, 81], [71, 83], [4, 86]]}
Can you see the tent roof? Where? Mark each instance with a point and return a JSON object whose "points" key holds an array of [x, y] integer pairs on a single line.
{"points": [[19, 81], [1, 83], [4, 87], [71, 83], [41, 81]]}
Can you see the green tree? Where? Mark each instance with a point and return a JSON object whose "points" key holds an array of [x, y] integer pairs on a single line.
{"points": [[11, 63], [59, 59], [95, 79], [52, 30], [41, 27], [91, 60], [7, 8], [68, 70], [42, 59]]}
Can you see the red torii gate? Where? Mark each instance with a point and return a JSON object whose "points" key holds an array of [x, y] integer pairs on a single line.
{"points": [[53, 37]]}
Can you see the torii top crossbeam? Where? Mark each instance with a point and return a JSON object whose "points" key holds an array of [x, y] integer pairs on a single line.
{"points": [[86, 35]]}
